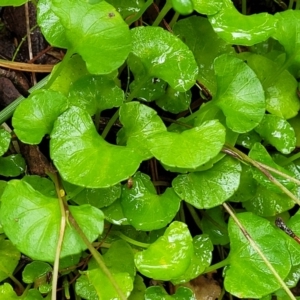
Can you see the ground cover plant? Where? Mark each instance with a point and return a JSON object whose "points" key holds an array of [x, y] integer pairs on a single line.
{"points": [[170, 167]]}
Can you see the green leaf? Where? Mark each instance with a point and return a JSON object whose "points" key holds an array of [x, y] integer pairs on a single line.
{"points": [[95, 197], [139, 289], [205, 44], [213, 224], [139, 123], [161, 54], [32, 221], [295, 123], [34, 117], [41, 184], [119, 258], [12, 2], [174, 101], [190, 148], [245, 263], [207, 7], [260, 154], [239, 29], [169, 256], [248, 139], [143, 208], [12, 165], [157, 292], [278, 132], [247, 187], [239, 94], [280, 87], [36, 272], [209, 188], [88, 287], [200, 261], [92, 162], [73, 69], [114, 213], [9, 258], [95, 93], [7, 292], [183, 7], [96, 31], [266, 203], [4, 141], [287, 33]]}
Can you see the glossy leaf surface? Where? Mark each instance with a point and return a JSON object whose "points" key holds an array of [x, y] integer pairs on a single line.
{"points": [[127, 8], [97, 32], [95, 93], [4, 141], [190, 148], [12, 165], [34, 117], [267, 203], [174, 101], [143, 208], [139, 123], [239, 94], [207, 7], [32, 222], [205, 44], [258, 152], [9, 258], [157, 292], [278, 132], [239, 29], [162, 55], [114, 213], [257, 280], [201, 259], [98, 163], [169, 256], [281, 99], [7, 292], [209, 188]]}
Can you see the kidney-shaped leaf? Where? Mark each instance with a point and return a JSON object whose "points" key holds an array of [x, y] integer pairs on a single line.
{"points": [[83, 157], [239, 93], [207, 7], [143, 208], [190, 148], [169, 256], [96, 31], [236, 28], [163, 55], [278, 132], [209, 188], [4, 141], [257, 279], [34, 117], [139, 122], [95, 93], [32, 221]]}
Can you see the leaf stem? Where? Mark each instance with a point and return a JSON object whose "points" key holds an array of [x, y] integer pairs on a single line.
{"points": [[162, 13], [259, 252], [60, 67], [17, 282], [291, 159], [109, 124], [130, 240], [61, 234], [97, 256], [216, 266], [243, 157], [174, 19], [194, 215], [244, 7]]}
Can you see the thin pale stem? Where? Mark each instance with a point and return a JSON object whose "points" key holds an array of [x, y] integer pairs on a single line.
{"points": [[17, 282], [162, 13], [217, 266], [130, 240], [259, 252], [139, 13], [194, 214], [61, 235], [244, 7]]}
